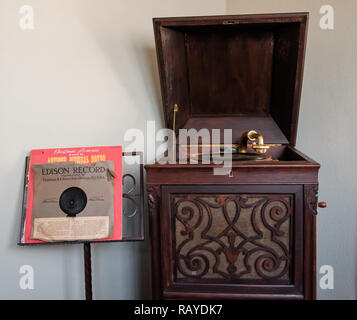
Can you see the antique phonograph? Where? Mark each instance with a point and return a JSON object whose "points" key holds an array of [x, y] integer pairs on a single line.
{"points": [[250, 234]]}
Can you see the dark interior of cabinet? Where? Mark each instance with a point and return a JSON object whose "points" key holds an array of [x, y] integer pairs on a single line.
{"points": [[233, 76], [285, 153]]}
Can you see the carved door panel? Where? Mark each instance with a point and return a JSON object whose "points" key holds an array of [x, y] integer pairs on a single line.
{"points": [[237, 240]]}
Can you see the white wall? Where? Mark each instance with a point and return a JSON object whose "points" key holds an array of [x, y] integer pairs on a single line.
{"points": [[88, 60], [82, 77]]}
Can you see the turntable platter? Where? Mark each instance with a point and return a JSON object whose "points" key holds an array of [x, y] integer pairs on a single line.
{"points": [[235, 156]]}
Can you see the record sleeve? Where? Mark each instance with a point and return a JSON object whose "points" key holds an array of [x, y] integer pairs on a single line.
{"points": [[71, 206], [72, 201]]}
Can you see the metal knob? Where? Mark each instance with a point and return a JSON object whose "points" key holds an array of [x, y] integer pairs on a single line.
{"points": [[322, 204]]}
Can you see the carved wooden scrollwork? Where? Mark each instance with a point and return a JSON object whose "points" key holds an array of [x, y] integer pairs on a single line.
{"points": [[232, 237], [311, 197], [153, 192]]}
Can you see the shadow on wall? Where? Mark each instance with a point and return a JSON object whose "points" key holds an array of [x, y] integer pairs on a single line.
{"points": [[153, 80]]}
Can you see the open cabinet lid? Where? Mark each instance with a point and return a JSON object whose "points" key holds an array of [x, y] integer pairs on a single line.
{"points": [[237, 72]]}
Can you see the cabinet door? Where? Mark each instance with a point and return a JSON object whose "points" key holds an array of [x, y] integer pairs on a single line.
{"points": [[235, 241]]}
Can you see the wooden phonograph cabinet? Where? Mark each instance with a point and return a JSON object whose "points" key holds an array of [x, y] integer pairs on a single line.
{"points": [[249, 234]]}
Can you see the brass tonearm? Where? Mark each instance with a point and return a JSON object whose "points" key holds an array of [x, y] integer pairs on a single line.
{"points": [[252, 135]]}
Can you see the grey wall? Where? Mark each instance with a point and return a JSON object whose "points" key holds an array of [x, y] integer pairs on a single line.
{"points": [[87, 56]]}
